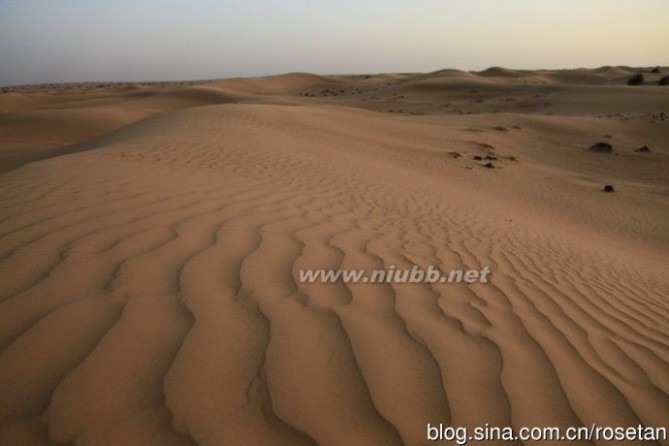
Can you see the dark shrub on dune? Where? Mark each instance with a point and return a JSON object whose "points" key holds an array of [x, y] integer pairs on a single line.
{"points": [[602, 147], [637, 79], [664, 80]]}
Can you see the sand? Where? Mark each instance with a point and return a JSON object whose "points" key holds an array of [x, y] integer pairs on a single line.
{"points": [[152, 236]]}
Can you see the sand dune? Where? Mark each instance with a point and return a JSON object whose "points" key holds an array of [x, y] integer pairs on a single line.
{"points": [[149, 290]]}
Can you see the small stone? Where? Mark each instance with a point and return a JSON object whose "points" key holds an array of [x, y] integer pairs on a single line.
{"points": [[609, 188]]}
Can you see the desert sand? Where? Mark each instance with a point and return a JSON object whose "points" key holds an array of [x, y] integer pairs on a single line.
{"points": [[151, 236]]}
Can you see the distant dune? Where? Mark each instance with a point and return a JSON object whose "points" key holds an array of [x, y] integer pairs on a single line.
{"points": [[152, 236]]}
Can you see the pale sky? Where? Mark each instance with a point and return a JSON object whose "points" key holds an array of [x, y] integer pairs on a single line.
{"points": [[45, 41]]}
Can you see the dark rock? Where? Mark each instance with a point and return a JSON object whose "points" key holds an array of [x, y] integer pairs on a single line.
{"points": [[608, 188], [644, 149], [478, 158], [656, 70], [602, 147], [664, 81], [490, 157], [455, 154], [489, 165]]}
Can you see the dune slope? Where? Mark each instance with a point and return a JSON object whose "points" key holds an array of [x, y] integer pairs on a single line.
{"points": [[150, 295]]}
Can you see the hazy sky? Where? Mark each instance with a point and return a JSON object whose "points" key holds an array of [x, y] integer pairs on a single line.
{"points": [[78, 40]]}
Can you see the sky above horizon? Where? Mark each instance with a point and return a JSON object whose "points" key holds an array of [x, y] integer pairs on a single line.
{"points": [[43, 41]]}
